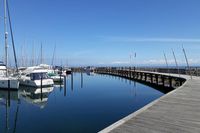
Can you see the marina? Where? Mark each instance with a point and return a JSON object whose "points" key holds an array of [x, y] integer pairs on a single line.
{"points": [[99, 66]]}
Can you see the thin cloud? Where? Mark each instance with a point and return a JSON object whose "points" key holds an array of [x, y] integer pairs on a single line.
{"points": [[169, 40], [120, 62]]}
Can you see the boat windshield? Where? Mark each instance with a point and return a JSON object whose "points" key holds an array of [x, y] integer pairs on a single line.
{"points": [[38, 76]]}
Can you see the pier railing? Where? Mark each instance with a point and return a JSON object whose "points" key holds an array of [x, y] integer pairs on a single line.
{"points": [[149, 77], [194, 71]]}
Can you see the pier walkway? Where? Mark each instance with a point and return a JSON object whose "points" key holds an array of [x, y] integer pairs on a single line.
{"points": [[176, 112]]}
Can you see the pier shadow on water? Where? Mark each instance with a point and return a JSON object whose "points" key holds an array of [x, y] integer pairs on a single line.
{"points": [[85, 102]]}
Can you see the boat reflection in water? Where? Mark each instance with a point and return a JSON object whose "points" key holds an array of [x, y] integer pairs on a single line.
{"points": [[10, 100], [5, 102], [36, 96]]}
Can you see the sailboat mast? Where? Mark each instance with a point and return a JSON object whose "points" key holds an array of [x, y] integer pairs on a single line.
{"points": [[41, 58], [33, 55], [166, 62], [52, 62], [6, 36]]}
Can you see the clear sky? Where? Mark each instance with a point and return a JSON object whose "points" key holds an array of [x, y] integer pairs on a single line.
{"points": [[105, 32]]}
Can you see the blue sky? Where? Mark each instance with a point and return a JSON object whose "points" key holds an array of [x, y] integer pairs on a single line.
{"points": [[105, 32]]}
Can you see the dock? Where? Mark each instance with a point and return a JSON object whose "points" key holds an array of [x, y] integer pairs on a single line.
{"points": [[176, 112]]}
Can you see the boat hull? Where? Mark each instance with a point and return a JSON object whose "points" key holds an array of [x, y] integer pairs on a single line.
{"points": [[57, 78], [37, 83], [14, 83]]}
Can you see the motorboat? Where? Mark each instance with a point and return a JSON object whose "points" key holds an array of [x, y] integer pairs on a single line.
{"points": [[54, 74], [56, 77], [35, 78]]}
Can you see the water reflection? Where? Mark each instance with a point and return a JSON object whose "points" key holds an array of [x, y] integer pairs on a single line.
{"points": [[104, 100], [36, 96], [5, 102]]}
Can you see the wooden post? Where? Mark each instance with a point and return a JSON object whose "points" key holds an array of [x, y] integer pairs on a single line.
{"points": [[145, 77], [156, 79], [163, 80], [170, 82], [140, 76]]}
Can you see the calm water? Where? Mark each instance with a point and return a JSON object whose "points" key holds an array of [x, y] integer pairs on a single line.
{"points": [[87, 104]]}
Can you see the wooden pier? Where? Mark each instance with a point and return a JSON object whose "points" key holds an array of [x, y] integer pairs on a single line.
{"points": [[154, 78], [176, 112]]}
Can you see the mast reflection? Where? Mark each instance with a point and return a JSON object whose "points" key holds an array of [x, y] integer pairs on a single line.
{"points": [[6, 97]]}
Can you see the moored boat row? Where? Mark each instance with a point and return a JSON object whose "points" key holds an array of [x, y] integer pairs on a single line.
{"points": [[35, 76]]}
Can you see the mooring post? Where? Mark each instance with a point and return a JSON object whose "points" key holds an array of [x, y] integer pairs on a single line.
{"points": [[65, 87], [41, 88], [81, 79], [72, 86], [9, 85], [9, 93]]}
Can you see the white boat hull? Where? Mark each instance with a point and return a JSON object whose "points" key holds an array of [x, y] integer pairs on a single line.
{"points": [[57, 78], [37, 83], [14, 83]]}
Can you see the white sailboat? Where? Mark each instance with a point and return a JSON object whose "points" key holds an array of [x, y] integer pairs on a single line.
{"points": [[6, 82]]}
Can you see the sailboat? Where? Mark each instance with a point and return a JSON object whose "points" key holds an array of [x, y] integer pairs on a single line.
{"points": [[6, 81]]}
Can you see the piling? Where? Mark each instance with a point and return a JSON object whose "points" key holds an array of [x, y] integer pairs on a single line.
{"points": [[81, 79], [72, 86], [41, 88], [65, 87], [9, 93]]}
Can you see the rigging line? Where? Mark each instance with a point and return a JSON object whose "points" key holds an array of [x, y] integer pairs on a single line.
{"points": [[13, 43]]}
